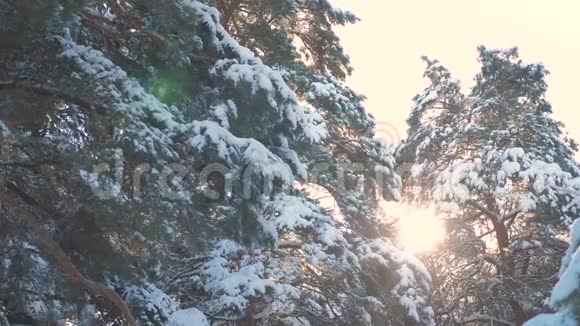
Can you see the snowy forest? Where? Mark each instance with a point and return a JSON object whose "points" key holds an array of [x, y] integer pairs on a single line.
{"points": [[204, 162]]}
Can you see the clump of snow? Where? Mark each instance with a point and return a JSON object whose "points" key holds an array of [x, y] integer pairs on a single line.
{"points": [[414, 283], [514, 153], [103, 186], [527, 204], [510, 167], [224, 111], [564, 317], [155, 306], [455, 183], [234, 275], [4, 131], [209, 16], [569, 283], [427, 98], [294, 213], [544, 175], [291, 157], [187, 317], [152, 304], [521, 244], [250, 153]]}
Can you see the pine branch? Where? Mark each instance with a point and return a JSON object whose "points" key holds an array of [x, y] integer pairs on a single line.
{"points": [[27, 165], [476, 318], [488, 212], [60, 258], [51, 92], [134, 29], [490, 259]]}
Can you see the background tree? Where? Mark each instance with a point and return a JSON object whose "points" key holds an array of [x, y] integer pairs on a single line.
{"points": [[499, 169]]}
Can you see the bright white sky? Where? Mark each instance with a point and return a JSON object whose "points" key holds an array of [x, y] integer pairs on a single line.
{"points": [[385, 47]]}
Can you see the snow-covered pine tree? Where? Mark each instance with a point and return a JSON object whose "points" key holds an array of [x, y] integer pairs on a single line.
{"points": [[149, 163], [500, 170], [350, 152]]}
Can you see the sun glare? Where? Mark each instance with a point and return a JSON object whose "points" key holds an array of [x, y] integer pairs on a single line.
{"points": [[419, 229]]}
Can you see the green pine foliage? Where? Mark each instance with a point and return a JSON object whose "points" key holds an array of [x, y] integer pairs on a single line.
{"points": [[158, 165]]}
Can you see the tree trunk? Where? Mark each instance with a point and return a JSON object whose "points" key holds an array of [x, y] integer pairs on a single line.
{"points": [[62, 261], [249, 318]]}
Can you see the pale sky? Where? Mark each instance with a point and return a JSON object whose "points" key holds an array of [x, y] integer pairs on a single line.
{"points": [[385, 47]]}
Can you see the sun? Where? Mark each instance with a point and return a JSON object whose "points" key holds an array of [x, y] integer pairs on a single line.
{"points": [[420, 230]]}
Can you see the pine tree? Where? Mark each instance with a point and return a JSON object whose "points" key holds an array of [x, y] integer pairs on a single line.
{"points": [[350, 152], [149, 164], [500, 170]]}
